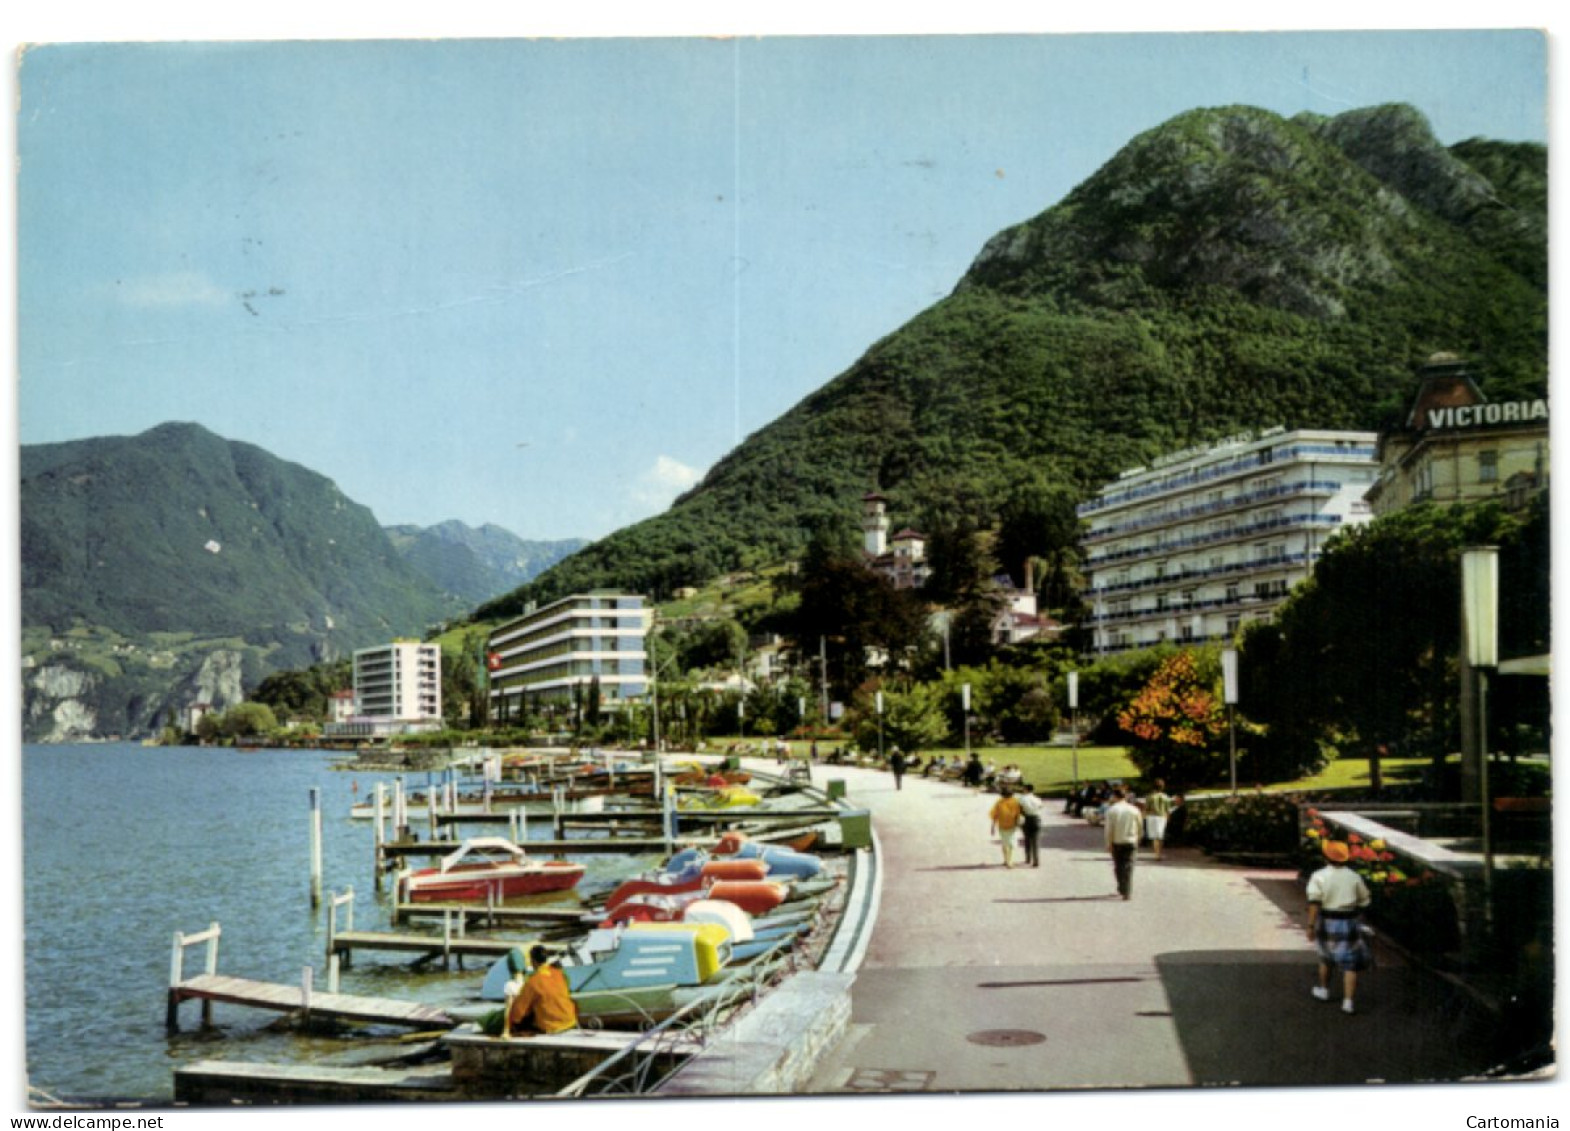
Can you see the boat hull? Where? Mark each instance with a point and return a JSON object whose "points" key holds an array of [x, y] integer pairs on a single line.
{"points": [[462, 885]]}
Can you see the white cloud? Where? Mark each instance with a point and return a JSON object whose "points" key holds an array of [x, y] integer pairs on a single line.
{"points": [[177, 288], [660, 484]]}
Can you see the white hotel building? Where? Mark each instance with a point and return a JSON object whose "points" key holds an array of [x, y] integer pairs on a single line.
{"points": [[537, 659], [1207, 539], [397, 688]]}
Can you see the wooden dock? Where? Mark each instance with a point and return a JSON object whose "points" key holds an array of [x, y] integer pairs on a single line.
{"points": [[445, 946], [627, 845], [224, 1082], [300, 999]]}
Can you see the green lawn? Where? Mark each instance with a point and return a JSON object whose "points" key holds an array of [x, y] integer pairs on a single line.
{"points": [[1051, 768]]}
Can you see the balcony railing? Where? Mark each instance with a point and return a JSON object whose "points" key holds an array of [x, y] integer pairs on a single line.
{"points": [[1237, 502], [1271, 457], [1249, 531]]}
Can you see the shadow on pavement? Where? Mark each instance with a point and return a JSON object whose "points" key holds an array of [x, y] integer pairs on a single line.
{"points": [[1247, 1018], [1284, 891]]}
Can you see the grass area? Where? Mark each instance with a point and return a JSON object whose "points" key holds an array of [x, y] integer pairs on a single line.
{"points": [[1051, 768]]}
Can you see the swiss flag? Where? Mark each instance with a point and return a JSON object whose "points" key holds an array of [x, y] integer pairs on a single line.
{"points": [[493, 661]]}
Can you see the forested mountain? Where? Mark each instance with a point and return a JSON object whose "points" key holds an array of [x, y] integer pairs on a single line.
{"points": [[475, 565], [1229, 269], [176, 566]]}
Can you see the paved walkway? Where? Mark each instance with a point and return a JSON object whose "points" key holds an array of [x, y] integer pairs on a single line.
{"points": [[981, 979]]}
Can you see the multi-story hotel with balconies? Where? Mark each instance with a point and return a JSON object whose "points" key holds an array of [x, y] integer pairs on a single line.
{"points": [[1207, 539], [398, 683], [537, 660]]}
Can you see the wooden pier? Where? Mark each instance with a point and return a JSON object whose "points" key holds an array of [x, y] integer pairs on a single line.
{"points": [[281, 998], [210, 986]]}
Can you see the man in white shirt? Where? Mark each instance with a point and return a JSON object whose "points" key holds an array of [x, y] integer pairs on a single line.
{"points": [[1030, 826], [1124, 824]]}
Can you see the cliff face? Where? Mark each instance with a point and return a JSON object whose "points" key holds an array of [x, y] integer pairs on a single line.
{"points": [[1229, 269]]}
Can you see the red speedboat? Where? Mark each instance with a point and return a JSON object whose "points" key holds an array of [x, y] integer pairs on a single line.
{"points": [[490, 866]]}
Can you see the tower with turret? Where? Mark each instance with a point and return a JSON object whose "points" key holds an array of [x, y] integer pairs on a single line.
{"points": [[874, 524]]}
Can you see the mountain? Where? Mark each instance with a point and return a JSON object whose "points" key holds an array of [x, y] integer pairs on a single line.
{"points": [[1229, 269], [176, 566], [475, 565]]}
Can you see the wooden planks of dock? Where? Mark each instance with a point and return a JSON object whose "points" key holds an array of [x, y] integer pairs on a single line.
{"points": [[299, 999]]}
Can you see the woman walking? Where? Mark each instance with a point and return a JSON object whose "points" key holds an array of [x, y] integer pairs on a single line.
{"points": [[1336, 899], [1005, 819]]}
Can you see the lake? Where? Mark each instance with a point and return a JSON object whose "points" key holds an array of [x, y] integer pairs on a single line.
{"points": [[124, 845]]}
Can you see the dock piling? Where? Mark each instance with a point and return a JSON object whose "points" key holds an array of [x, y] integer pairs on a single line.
{"points": [[316, 847], [379, 838]]}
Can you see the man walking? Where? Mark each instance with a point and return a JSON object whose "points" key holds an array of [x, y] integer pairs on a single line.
{"points": [[1123, 823], [897, 765], [1030, 824]]}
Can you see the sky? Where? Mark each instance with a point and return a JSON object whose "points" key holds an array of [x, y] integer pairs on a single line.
{"points": [[548, 283]]}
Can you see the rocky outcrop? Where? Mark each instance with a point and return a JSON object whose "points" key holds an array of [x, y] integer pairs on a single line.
{"points": [[57, 705]]}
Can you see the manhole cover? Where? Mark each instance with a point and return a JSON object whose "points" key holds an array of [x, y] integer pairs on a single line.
{"points": [[1006, 1038]]}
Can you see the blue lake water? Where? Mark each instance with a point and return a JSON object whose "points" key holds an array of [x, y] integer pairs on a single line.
{"points": [[124, 845]]}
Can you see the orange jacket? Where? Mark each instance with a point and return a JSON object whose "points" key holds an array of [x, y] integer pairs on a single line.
{"points": [[543, 1004]]}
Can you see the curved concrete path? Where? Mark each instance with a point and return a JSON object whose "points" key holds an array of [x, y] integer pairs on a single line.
{"points": [[981, 979]]}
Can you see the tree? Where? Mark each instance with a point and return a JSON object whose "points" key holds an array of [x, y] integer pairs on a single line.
{"points": [[1174, 724], [913, 718], [858, 613], [246, 720], [1364, 653]]}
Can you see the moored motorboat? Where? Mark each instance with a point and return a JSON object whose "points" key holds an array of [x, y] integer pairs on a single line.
{"points": [[489, 867]]}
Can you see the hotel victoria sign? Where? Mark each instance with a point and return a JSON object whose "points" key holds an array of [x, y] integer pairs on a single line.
{"points": [[1487, 415]]}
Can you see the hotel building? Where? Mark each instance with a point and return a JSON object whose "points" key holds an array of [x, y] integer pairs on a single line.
{"points": [[398, 683], [1456, 446], [536, 660], [1207, 539]]}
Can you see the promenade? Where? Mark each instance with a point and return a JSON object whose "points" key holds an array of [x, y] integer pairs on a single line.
{"points": [[982, 979]]}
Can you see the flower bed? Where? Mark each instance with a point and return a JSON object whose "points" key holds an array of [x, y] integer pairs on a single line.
{"points": [[1411, 901]]}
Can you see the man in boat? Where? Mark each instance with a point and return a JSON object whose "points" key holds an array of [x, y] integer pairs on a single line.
{"points": [[543, 1004]]}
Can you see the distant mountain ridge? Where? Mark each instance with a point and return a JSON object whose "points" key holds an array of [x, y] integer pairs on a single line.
{"points": [[477, 564], [176, 566], [1226, 270]]}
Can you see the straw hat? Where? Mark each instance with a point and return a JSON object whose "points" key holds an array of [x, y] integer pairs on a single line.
{"points": [[1336, 852]]}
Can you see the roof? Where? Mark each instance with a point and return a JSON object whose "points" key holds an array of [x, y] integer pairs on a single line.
{"points": [[907, 534]]}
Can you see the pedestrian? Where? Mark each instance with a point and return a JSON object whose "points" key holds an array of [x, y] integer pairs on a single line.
{"points": [[1158, 807], [1005, 820], [1030, 825], [1124, 826], [897, 764], [973, 770], [1336, 899]]}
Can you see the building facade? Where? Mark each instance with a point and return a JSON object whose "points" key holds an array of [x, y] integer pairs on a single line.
{"points": [[903, 558], [399, 683], [1456, 446], [548, 657], [1205, 540]]}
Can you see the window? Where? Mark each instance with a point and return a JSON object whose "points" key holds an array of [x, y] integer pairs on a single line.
{"points": [[1232, 594], [1488, 466]]}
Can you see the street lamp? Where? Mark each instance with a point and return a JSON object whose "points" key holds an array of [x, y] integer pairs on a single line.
{"points": [[1073, 707], [1480, 637], [880, 726], [1229, 696], [965, 703]]}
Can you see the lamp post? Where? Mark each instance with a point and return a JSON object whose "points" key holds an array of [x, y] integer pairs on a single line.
{"points": [[880, 726], [1480, 637], [1073, 708], [965, 703], [1229, 696]]}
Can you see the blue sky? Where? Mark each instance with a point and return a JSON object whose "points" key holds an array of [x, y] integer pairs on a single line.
{"points": [[547, 283]]}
